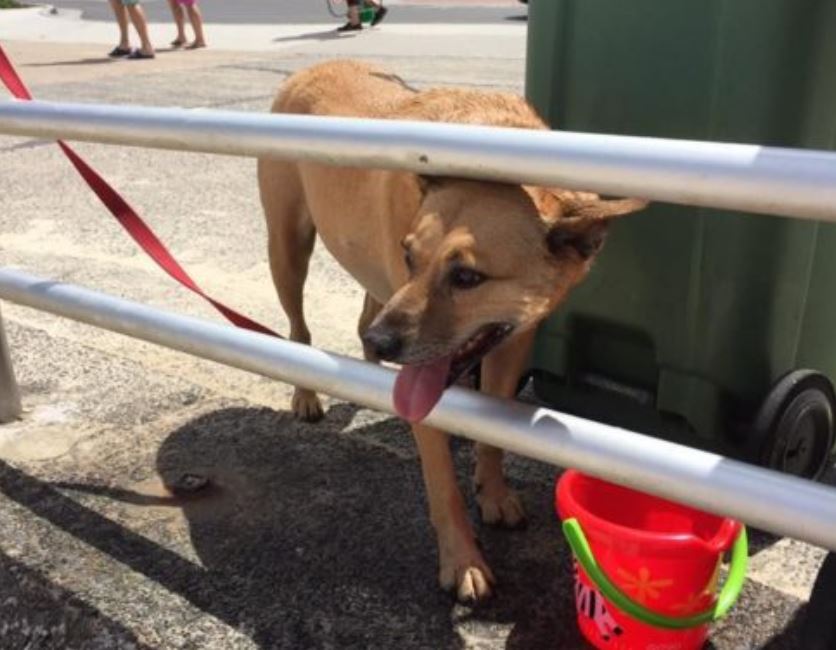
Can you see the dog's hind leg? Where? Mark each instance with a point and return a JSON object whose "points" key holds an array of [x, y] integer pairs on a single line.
{"points": [[291, 237], [501, 371], [371, 308]]}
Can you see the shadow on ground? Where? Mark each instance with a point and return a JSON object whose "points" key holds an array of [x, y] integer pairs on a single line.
{"points": [[54, 64], [316, 536], [97, 60], [34, 613], [327, 35]]}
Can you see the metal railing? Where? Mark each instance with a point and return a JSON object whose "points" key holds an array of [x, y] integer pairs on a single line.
{"points": [[768, 180], [742, 177], [10, 406], [782, 504]]}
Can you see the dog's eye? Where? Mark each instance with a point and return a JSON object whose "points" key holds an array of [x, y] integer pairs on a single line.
{"points": [[462, 277]]}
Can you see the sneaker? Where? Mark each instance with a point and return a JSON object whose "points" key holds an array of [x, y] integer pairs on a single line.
{"points": [[379, 15], [350, 27]]}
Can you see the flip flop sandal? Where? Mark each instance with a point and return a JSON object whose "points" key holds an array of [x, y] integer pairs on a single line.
{"points": [[139, 54], [178, 43], [116, 52], [195, 46]]}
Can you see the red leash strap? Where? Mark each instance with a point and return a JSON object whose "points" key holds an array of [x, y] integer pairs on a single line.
{"points": [[125, 214]]}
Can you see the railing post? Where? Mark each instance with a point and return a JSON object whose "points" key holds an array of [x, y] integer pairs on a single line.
{"points": [[10, 407]]}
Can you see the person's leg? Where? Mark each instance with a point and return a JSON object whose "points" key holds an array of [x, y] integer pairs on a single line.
{"points": [[380, 12], [137, 17], [180, 21], [122, 20], [197, 25], [353, 23]]}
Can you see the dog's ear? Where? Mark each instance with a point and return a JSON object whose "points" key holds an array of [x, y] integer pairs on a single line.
{"points": [[583, 226], [598, 208], [552, 202], [583, 236]]}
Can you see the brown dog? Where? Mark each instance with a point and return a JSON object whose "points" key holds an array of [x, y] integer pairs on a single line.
{"points": [[454, 271]]}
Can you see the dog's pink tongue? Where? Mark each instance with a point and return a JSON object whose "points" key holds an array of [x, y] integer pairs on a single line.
{"points": [[418, 388]]}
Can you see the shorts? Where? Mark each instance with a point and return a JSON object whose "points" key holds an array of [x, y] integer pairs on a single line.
{"points": [[129, 3]]}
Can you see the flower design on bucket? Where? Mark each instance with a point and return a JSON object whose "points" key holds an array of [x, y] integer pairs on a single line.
{"points": [[643, 586], [694, 603], [699, 601]]}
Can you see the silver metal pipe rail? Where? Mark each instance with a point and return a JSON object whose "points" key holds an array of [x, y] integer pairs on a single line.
{"points": [[10, 406], [776, 502], [789, 182]]}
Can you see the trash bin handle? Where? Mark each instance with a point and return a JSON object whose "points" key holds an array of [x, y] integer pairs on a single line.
{"points": [[727, 597]]}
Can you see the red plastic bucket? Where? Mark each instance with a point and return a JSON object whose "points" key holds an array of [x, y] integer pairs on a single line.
{"points": [[646, 569]]}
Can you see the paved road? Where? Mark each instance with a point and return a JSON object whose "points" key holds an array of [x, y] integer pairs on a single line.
{"points": [[312, 11]]}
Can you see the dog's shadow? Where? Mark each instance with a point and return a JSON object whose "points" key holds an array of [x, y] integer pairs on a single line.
{"points": [[322, 535], [318, 536]]}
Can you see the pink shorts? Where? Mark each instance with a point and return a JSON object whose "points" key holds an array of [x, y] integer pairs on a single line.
{"points": [[187, 3]]}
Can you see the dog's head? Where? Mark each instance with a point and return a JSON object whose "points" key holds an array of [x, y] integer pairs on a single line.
{"points": [[482, 261]]}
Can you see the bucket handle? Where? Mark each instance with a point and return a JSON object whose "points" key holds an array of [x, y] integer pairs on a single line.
{"points": [[727, 597]]}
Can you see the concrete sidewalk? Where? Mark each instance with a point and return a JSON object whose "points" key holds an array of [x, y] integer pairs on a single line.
{"points": [[310, 536], [297, 12], [39, 24]]}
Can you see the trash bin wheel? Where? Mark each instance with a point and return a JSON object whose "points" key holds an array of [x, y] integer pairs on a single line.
{"points": [[819, 631], [794, 425]]}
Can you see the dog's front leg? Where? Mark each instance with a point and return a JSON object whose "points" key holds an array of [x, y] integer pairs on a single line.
{"points": [[461, 565], [501, 371]]}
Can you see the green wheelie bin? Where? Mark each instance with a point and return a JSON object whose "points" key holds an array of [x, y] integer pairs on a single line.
{"points": [[708, 327]]}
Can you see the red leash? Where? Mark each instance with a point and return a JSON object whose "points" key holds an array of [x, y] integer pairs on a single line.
{"points": [[125, 214]]}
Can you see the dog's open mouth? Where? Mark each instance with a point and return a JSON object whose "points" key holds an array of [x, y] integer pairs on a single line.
{"points": [[419, 386]]}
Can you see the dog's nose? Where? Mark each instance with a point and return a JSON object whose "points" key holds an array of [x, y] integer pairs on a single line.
{"points": [[384, 342]]}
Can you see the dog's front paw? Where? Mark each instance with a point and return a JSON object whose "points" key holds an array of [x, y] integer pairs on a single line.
{"points": [[468, 575], [501, 507], [306, 405]]}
